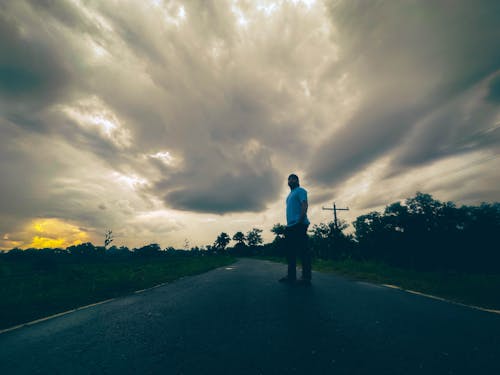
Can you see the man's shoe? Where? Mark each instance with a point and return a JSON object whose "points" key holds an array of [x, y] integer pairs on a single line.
{"points": [[287, 280], [304, 282]]}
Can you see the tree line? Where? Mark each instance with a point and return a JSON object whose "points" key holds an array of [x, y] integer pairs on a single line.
{"points": [[419, 233], [425, 233], [246, 244]]}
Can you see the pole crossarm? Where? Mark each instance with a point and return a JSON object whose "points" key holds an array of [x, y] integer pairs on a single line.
{"points": [[335, 209]]}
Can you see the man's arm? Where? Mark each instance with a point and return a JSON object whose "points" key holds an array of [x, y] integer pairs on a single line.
{"points": [[303, 211]]}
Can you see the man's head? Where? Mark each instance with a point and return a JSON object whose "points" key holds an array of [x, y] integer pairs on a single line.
{"points": [[293, 181]]}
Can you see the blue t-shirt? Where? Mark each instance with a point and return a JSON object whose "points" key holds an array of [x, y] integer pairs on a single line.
{"points": [[293, 206]]}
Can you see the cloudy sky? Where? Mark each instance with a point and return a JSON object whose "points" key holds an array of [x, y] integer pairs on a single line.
{"points": [[172, 120]]}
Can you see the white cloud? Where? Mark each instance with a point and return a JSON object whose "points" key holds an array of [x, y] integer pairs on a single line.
{"points": [[92, 113]]}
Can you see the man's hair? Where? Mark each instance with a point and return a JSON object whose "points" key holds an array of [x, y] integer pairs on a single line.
{"points": [[294, 176]]}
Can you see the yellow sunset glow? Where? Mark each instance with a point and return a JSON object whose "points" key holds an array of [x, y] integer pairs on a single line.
{"points": [[54, 233], [44, 242]]}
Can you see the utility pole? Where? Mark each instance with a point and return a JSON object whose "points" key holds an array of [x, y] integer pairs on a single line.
{"points": [[335, 209]]}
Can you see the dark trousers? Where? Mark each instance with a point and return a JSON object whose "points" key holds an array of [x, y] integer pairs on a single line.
{"points": [[297, 245]]}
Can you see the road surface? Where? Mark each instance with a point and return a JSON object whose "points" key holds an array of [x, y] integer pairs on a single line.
{"points": [[239, 320]]}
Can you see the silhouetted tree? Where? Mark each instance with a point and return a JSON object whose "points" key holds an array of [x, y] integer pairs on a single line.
{"points": [[254, 237], [278, 230], [329, 242], [118, 251], [210, 250], [425, 233], [108, 238], [221, 242], [321, 240], [85, 249], [277, 247], [240, 248], [239, 237], [148, 250], [170, 250]]}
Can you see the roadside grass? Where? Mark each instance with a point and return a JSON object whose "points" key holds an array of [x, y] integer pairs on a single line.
{"points": [[482, 290], [30, 290]]}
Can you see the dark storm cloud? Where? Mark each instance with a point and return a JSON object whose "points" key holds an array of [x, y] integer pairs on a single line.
{"points": [[63, 11], [32, 74], [228, 194], [465, 124], [29, 187], [409, 61], [231, 178], [22, 163], [367, 136], [494, 90]]}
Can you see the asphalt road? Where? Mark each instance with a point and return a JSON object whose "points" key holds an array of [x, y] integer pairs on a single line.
{"points": [[240, 320]]}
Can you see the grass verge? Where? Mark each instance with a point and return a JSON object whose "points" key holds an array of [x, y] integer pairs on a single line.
{"points": [[482, 290], [29, 292]]}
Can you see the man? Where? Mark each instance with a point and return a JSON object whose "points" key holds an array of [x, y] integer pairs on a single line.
{"points": [[296, 233]]}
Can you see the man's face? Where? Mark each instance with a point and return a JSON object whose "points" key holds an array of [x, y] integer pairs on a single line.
{"points": [[292, 182]]}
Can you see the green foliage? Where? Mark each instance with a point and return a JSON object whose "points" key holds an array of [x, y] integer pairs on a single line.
{"points": [[254, 237], [424, 233], [241, 248], [328, 242], [118, 251], [278, 230], [277, 247], [221, 242], [475, 289], [418, 233], [239, 237], [29, 290], [152, 249], [84, 249]]}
